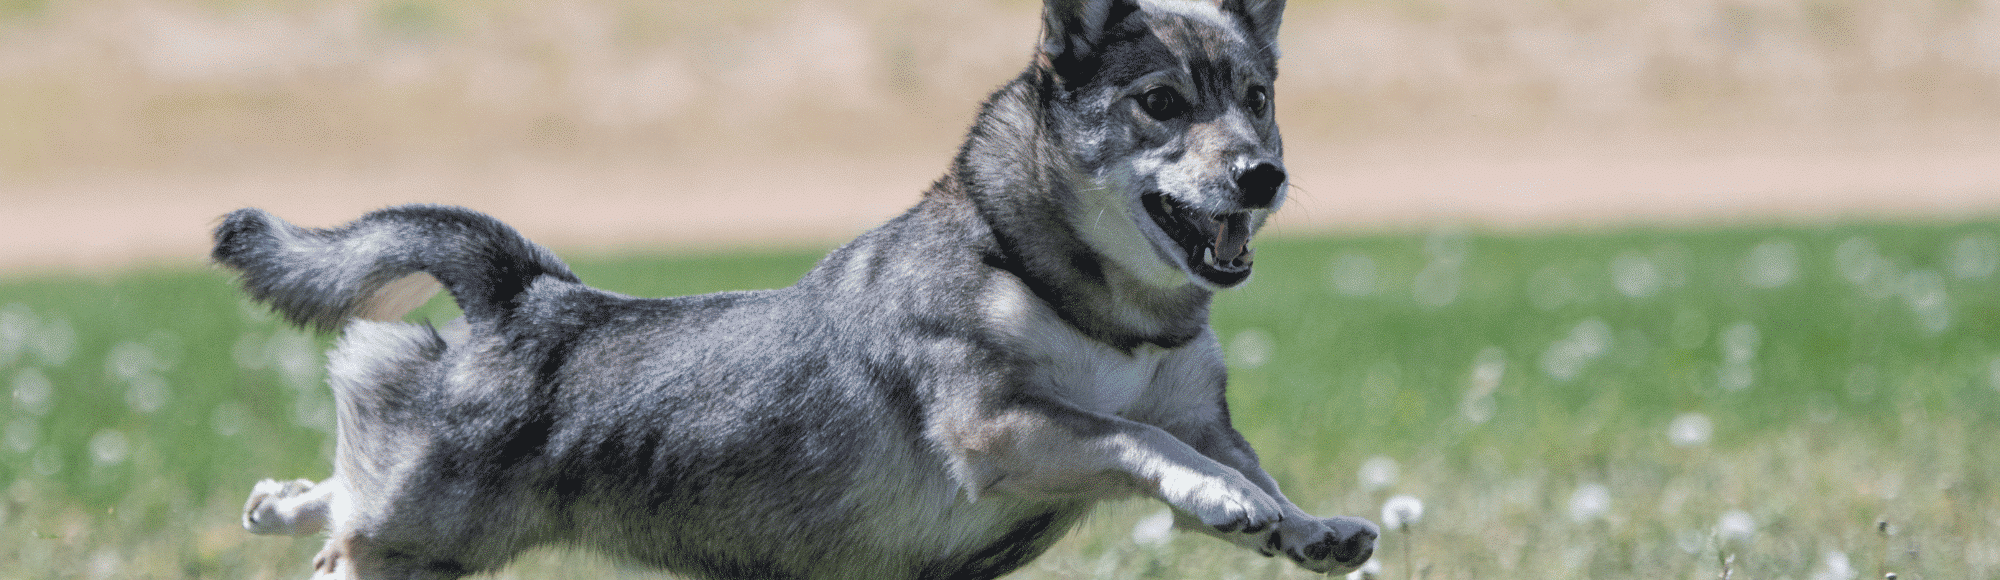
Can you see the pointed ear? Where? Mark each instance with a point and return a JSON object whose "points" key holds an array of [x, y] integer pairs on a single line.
{"points": [[1261, 17], [1072, 31]]}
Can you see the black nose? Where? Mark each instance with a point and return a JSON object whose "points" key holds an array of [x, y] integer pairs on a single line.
{"points": [[1259, 184]]}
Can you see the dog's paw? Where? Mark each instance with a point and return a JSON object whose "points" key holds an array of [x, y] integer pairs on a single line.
{"points": [[1226, 508], [332, 563], [1335, 545], [265, 513]]}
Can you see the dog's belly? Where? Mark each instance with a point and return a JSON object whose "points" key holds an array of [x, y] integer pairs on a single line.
{"points": [[876, 531], [965, 539], [834, 494], [921, 524]]}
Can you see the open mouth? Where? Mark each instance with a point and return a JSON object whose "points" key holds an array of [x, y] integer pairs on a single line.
{"points": [[1214, 246]]}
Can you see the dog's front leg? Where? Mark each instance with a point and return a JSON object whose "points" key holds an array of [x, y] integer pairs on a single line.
{"points": [[1327, 545], [1048, 449]]}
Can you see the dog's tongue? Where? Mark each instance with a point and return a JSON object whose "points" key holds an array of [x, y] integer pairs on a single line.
{"points": [[1232, 237]]}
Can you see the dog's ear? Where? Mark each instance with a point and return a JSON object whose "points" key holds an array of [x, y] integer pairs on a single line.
{"points": [[1260, 17], [1073, 31]]}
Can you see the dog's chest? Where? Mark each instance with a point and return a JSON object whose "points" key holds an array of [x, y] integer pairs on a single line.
{"points": [[1078, 369], [1099, 378]]}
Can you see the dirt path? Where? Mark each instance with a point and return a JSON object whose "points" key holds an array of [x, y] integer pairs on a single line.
{"points": [[103, 223]]}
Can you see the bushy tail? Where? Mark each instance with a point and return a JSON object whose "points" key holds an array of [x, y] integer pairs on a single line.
{"points": [[322, 277]]}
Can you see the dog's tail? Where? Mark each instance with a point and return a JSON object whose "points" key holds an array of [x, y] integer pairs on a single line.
{"points": [[321, 278]]}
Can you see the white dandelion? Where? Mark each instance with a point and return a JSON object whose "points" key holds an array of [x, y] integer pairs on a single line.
{"points": [[1378, 473], [1402, 512], [1834, 565], [1736, 526], [1771, 264], [1154, 530], [1590, 501], [1690, 430], [1369, 571]]}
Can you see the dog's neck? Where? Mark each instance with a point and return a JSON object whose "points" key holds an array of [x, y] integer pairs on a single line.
{"points": [[1011, 170]]}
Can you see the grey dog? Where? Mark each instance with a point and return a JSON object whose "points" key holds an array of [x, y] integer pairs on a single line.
{"points": [[941, 398]]}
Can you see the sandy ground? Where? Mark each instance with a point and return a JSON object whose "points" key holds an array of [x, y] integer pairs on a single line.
{"points": [[103, 223], [1822, 130]]}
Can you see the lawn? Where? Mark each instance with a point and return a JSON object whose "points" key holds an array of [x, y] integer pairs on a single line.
{"points": [[1779, 402]]}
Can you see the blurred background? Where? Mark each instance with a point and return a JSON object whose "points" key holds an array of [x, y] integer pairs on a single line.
{"points": [[1564, 289], [130, 124]]}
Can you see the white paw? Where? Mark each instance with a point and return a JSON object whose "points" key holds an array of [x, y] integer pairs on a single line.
{"points": [[332, 563], [268, 512], [1335, 545], [1224, 505]]}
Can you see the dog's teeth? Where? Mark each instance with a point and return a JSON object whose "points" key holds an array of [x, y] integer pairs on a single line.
{"points": [[1208, 256]]}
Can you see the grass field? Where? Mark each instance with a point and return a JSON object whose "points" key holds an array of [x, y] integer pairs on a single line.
{"points": [[1632, 404]]}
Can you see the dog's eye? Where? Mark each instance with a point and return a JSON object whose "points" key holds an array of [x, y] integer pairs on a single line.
{"points": [[1162, 102], [1258, 101]]}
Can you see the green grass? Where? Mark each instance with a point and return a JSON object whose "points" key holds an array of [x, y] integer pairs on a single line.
{"points": [[1845, 375]]}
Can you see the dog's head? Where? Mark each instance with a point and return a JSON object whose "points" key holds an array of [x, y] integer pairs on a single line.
{"points": [[1167, 109]]}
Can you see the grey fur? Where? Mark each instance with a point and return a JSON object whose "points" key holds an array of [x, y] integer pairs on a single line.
{"points": [[943, 397]]}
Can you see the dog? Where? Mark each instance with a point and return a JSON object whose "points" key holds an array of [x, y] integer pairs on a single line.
{"points": [[941, 398]]}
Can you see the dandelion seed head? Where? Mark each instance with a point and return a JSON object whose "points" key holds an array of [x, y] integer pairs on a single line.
{"points": [[1590, 501], [1565, 358], [313, 412], [297, 359], [1636, 275], [228, 418], [16, 323], [1690, 430], [1740, 341], [34, 394], [1488, 367], [1402, 511], [147, 394], [1771, 264], [1154, 530], [1735, 376], [1368, 571], [1834, 565], [1378, 473], [1477, 408], [109, 447], [1975, 256], [1857, 259], [131, 360], [1436, 285], [1736, 526], [1923, 291], [1251, 348]]}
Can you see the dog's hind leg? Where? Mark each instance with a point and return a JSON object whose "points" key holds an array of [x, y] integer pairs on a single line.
{"points": [[291, 508]]}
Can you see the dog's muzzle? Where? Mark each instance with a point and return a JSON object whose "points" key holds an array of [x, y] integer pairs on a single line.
{"points": [[1215, 246]]}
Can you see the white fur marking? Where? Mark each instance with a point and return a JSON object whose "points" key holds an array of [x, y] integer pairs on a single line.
{"points": [[1075, 367], [1207, 12], [1122, 239]]}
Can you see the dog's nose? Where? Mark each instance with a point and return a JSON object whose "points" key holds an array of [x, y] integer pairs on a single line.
{"points": [[1258, 185]]}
